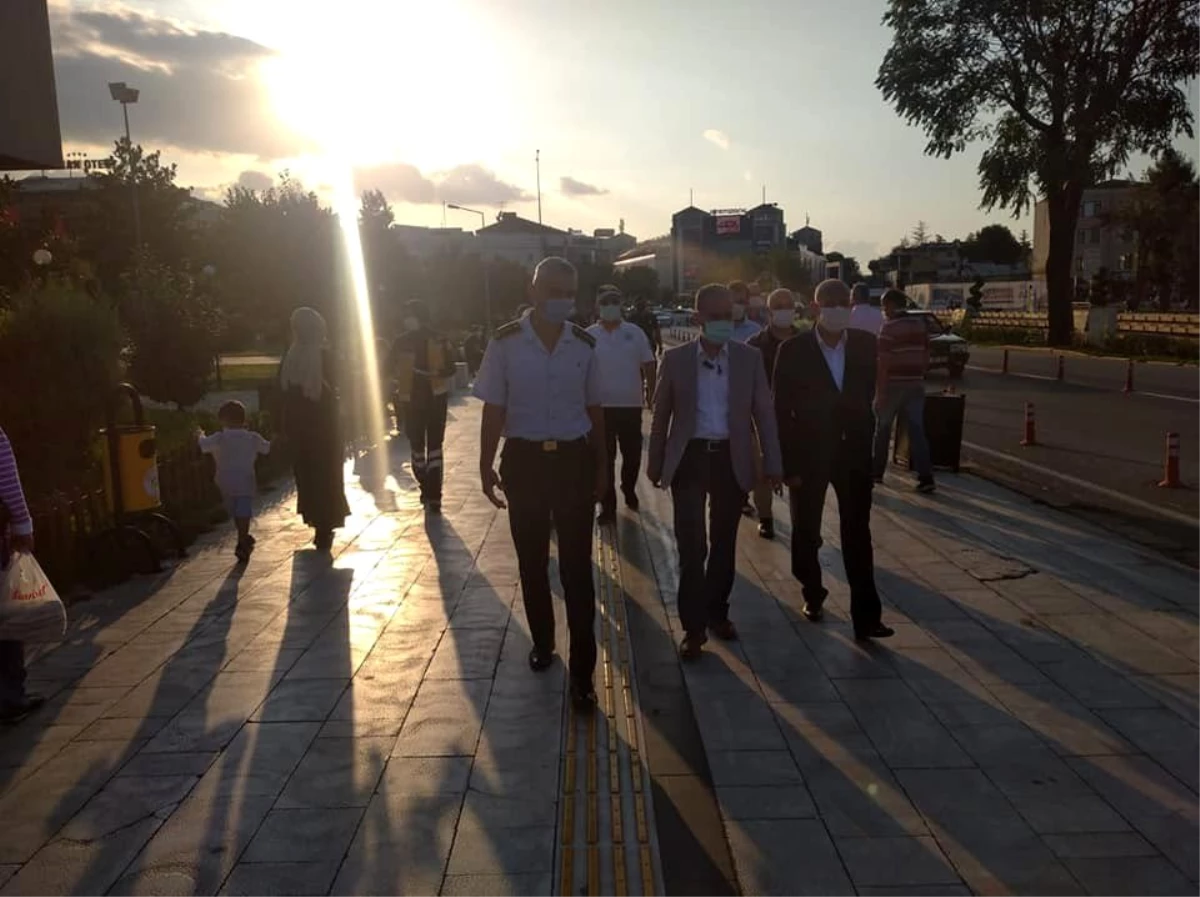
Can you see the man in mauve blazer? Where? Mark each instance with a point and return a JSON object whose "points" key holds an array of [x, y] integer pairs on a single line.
{"points": [[824, 387], [711, 396]]}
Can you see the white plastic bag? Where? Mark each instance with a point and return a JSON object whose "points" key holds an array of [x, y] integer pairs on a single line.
{"points": [[30, 609]]}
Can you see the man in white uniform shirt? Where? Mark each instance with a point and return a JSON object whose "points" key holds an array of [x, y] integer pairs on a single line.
{"points": [[627, 366], [744, 326]]}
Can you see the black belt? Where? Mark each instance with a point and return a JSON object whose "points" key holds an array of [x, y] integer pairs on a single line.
{"points": [[547, 445], [710, 445]]}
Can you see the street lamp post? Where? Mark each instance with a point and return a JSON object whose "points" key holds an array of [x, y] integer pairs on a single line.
{"points": [[487, 287], [124, 94]]}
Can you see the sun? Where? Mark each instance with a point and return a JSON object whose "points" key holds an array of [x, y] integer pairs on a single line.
{"points": [[387, 81]]}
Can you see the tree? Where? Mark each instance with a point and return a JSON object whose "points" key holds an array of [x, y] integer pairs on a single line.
{"points": [[639, 281], [1062, 91], [850, 270], [994, 243], [975, 297], [173, 327], [920, 234]]}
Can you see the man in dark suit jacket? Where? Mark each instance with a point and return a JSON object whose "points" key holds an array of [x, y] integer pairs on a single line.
{"points": [[824, 387]]}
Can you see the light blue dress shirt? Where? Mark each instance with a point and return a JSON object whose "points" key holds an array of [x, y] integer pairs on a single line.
{"points": [[545, 394]]}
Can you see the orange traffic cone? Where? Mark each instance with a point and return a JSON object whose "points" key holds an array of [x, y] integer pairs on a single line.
{"points": [[1030, 426], [1170, 478]]}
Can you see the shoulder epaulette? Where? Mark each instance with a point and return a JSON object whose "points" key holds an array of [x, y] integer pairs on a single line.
{"points": [[583, 335], [510, 329]]}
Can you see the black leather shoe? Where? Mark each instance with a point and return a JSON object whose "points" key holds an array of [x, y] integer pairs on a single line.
{"points": [[583, 697], [690, 647], [540, 660], [18, 710], [813, 611], [876, 631], [766, 528], [724, 630]]}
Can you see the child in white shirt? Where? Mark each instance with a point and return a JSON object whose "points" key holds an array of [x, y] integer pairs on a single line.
{"points": [[235, 449]]}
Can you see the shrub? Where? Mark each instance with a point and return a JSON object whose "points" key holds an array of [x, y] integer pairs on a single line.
{"points": [[59, 362], [173, 328]]}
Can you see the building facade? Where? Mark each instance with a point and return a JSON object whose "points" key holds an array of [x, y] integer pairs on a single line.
{"points": [[697, 235], [654, 254], [1100, 240]]}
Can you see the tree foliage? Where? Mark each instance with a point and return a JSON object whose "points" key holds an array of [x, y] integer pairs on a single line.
{"points": [[994, 243], [173, 327], [1060, 91]]}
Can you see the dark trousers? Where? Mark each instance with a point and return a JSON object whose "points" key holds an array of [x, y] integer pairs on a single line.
{"points": [[706, 559], [622, 426], [425, 427], [12, 672], [853, 490], [544, 488]]}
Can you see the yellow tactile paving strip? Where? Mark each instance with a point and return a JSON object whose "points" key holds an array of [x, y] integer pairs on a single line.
{"points": [[607, 835]]}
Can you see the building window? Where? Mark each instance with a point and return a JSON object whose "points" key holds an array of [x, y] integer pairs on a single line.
{"points": [[1095, 235], [1091, 208], [1078, 264]]}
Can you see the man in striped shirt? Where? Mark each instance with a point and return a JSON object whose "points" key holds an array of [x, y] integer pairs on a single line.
{"points": [[903, 361], [16, 536]]}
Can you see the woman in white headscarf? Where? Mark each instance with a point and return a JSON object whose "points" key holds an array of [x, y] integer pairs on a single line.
{"points": [[310, 422]]}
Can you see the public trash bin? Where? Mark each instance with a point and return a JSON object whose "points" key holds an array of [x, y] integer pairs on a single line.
{"points": [[130, 461], [943, 428]]}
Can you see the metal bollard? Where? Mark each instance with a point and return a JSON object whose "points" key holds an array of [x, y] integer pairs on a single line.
{"points": [[1128, 378], [1030, 437], [1171, 478], [1062, 368], [1004, 363]]}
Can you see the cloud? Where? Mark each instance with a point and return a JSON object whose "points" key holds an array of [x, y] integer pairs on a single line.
{"points": [[200, 90], [572, 187], [255, 180], [862, 250], [471, 184], [717, 138]]}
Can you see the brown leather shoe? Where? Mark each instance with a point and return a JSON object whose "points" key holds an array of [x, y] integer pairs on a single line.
{"points": [[690, 647], [724, 630]]}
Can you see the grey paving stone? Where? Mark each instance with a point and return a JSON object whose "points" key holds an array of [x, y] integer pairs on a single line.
{"points": [[910, 736], [753, 768], [7, 872], [175, 764], [480, 609], [426, 775], [926, 891], [123, 729], [479, 849], [318, 835], [282, 879], [69, 866], [445, 719], [863, 799], [498, 885], [1135, 785], [987, 841], [731, 722], [871, 692], [492, 811], [337, 772], [124, 801], [765, 802], [1134, 876], [904, 861], [1177, 836], [821, 734], [1100, 844], [300, 700], [401, 846], [792, 856], [361, 728]]}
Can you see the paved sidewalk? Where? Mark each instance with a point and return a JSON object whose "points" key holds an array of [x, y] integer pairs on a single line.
{"points": [[371, 725]]}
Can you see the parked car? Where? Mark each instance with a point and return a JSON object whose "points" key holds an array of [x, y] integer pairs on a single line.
{"points": [[946, 349]]}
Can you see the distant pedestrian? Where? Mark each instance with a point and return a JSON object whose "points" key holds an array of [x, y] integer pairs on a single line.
{"points": [[743, 326], [423, 367], [235, 449], [711, 398], [540, 385], [900, 386], [645, 319], [626, 381], [16, 535], [312, 427], [781, 308], [473, 347], [863, 314]]}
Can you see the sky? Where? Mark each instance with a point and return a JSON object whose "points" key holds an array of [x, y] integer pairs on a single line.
{"points": [[635, 106]]}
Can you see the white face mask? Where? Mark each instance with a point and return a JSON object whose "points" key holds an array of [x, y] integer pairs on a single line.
{"points": [[783, 317], [411, 323], [835, 318]]}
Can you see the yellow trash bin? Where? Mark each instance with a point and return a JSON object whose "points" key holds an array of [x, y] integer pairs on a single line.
{"points": [[130, 458]]}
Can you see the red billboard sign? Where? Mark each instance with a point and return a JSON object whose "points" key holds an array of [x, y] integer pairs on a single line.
{"points": [[729, 224]]}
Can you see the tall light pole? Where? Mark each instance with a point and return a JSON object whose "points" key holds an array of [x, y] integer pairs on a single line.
{"points": [[124, 94], [487, 287]]}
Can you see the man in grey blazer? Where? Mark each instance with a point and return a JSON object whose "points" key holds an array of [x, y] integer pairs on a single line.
{"points": [[711, 396]]}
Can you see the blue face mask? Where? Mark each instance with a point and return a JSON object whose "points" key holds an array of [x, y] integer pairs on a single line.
{"points": [[610, 313], [558, 310], [718, 331]]}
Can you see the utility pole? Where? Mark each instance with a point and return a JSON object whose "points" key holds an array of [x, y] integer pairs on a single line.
{"points": [[537, 161]]}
